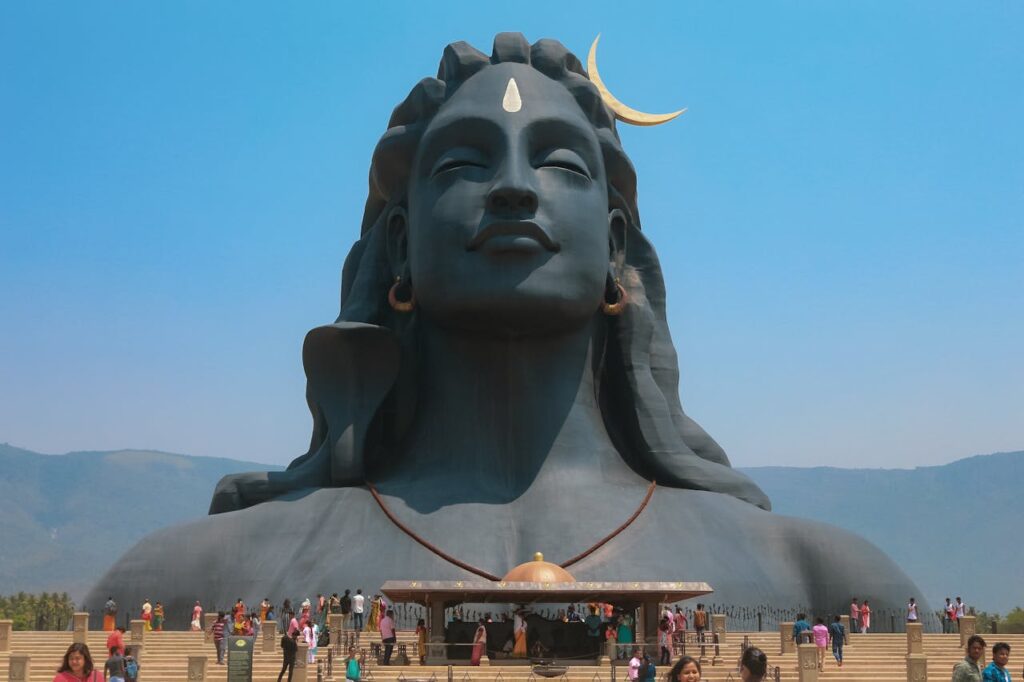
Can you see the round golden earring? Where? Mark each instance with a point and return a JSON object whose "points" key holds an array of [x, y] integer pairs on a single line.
{"points": [[619, 305], [401, 306]]}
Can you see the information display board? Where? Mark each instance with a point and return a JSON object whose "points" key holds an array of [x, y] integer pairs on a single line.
{"points": [[240, 658]]}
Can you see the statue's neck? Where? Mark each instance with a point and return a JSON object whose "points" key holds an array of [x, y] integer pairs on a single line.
{"points": [[500, 415]]}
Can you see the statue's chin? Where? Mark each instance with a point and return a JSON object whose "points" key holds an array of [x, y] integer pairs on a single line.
{"points": [[514, 314]]}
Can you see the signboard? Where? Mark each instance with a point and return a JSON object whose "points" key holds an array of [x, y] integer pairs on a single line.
{"points": [[240, 659]]}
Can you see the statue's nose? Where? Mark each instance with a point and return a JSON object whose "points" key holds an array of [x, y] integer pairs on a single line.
{"points": [[512, 195]]}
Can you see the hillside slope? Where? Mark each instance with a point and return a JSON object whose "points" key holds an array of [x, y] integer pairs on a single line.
{"points": [[68, 517], [953, 528]]}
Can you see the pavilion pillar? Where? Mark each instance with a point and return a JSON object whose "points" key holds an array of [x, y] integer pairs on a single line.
{"points": [[435, 633], [786, 636], [268, 632], [647, 635], [845, 622], [80, 626]]}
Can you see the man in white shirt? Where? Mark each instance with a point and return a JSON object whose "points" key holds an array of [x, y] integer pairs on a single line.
{"points": [[358, 602]]}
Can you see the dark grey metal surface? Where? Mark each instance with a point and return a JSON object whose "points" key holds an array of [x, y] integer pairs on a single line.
{"points": [[506, 414]]}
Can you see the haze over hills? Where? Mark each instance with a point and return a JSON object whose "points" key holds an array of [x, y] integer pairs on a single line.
{"points": [[952, 527]]}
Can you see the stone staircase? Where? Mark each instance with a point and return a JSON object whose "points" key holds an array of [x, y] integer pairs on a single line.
{"points": [[869, 658]]}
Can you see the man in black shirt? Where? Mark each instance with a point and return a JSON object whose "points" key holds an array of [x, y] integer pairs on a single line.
{"points": [[288, 647], [346, 608]]}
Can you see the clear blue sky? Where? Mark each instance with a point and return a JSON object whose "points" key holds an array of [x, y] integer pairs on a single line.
{"points": [[840, 213]]}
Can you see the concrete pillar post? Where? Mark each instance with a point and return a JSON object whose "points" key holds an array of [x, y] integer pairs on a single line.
{"points": [[208, 620], [917, 668], [80, 627], [138, 632], [845, 622], [196, 669], [19, 668], [807, 662], [335, 623], [718, 626], [5, 634], [301, 666], [268, 632], [968, 627], [914, 642], [786, 636]]}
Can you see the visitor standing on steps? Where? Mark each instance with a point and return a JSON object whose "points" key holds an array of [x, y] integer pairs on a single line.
{"points": [[665, 641], [387, 634], [948, 616], [147, 615], [753, 665], [700, 622], [837, 633], [77, 666], [345, 607], [865, 617], [912, 611], [686, 669], [479, 643], [352, 671], [996, 671], [961, 611], [109, 615], [854, 615], [358, 604], [197, 617], [115, 640], [113, 669], [289, 649], [800, 626], [421, 640], [219, 642], [820, 634], [969, 669]]}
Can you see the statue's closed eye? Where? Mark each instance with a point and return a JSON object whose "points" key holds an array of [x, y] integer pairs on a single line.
{"points": [[565, 159], [461, 157]]}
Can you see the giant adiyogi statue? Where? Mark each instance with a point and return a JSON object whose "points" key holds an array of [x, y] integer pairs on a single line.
{"points": [[500, 380]]}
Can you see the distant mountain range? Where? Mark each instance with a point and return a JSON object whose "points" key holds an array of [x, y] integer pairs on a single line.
{"points": [[953, 528]]}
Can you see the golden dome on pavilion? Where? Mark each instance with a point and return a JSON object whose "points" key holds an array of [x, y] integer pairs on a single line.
{"points": [[538, 571]]}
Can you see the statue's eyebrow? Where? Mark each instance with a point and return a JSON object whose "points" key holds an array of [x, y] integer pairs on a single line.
{"points": [[555, 131], [471, 130]]}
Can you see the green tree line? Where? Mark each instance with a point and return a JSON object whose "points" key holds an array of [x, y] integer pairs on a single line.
{"points": [[1011, 623], [46, 611]]}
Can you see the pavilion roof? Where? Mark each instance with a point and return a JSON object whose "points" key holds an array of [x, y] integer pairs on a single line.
{"points": [[484, 591]]}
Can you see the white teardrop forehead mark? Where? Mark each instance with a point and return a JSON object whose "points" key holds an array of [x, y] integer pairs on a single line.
{"points": [[512, 102]]}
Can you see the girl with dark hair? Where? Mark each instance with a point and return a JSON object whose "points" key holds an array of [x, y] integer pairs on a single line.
{"points": [[686, 669], [753, 665], [77, 666]]}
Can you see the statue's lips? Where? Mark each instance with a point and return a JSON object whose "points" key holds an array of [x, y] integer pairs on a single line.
{"points": [[512, 235]]}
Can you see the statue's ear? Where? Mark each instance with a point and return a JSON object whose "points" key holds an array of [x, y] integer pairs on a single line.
{"points": [[397, 240], [617, 227]]}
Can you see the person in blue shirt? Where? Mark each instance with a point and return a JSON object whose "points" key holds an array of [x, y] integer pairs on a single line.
{"points": [[800, 626], [996, 671]]}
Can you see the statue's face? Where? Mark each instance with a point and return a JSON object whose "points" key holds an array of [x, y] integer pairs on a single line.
{"points": [[508, 210]]}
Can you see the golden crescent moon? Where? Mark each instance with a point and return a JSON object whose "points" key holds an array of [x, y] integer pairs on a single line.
{"points": [[621, 111]]}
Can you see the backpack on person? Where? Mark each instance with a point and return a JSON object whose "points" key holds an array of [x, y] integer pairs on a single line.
{"points": [[131, 669]]}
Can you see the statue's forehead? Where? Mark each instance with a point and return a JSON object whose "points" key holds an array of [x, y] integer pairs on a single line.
{"points": [[492, 94]]}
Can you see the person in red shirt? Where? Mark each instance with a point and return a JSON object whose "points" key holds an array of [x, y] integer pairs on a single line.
{"points": [[115, 640]]}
